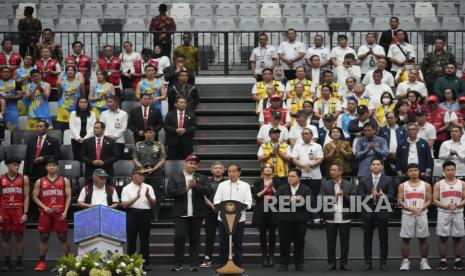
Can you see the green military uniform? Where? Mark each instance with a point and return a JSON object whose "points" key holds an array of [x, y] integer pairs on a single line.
{"points": [[434, 65]]}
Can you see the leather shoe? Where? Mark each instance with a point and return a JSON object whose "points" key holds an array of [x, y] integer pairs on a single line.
{"points": [[282, 268], [299, 268], [383, 267], [345, 267], [270, 261], [331, 267], [368, 266]]}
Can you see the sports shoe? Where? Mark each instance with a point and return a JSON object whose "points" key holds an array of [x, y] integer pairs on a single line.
{"points": [[176, 268], [194, 268], [424, 265], [442, 266], [6, 267], [206, 263], [19, 267], [458, 265], [405, 265], [41, 266]]}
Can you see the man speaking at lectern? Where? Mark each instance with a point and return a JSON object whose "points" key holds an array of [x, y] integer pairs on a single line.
{"points": [[233, 189]]}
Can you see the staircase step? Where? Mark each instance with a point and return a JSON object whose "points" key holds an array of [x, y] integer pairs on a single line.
{"points": [[224, 89], [222, 109], [247, 166], [231, 151], [228, 122], [207, 135]]}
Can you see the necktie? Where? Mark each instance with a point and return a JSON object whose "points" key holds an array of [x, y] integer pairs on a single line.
{"points": [[99, 148], [145, 117], [39, 146], [180, 120], [375, 182]]}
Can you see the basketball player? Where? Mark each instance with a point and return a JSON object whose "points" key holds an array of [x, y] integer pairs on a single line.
{"points": [[414, 196], [52, 194], [14, 206], [449, 197]]}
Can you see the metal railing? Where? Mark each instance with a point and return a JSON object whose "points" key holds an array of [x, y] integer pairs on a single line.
{"points": [[227, 53]]}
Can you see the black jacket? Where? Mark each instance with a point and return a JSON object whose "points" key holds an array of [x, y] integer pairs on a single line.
{"points": [[301, 214], [258, 209], [385, 184], [176, 189], [50, 149], [108, 155], [171, 124], [354, 128], [170, 76], [189, 92], [136, 121], [327, 189]]}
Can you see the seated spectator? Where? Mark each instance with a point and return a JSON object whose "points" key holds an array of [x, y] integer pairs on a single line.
{"points": [[99, 152], [295, 133], [426, 130], [311, 118], [299, 79], [49, 43], [98, 192], [350, 114], [460, 113], [454, 150], [414, 150], [180, 127], [416, 102], [362, 98], [411, 85], [82, 62], [171, 72], [295, 103], [266, 102], [99, 92], [348, 69], [393, 134], [440, 119], [368, 147], [402, 74], [449, 80], [356, 126], [81, 125], [387, 104], [49, 69], [263, 136], [183, 89], [278, 74], [276, 105], [381, 65], [37, 93], [314, 72], [324, 132], [144, 116], [375, 89], [348, 89], [164, 62], [402, 110], [449, 103], [338, 151], [339, 52], [328, 79], [259, 88], [112, 65], [128, 56], [69, 92], [116, 122], [152, 85], [327, 104], [64, 75], [369, 53], [401, 53], [139, 66]]}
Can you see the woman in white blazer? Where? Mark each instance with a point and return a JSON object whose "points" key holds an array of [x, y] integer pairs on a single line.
{"points": [[81, 125]]}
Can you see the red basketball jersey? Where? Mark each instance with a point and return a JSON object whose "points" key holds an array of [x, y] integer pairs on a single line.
{"points": [[52, 194], [11, 195]]}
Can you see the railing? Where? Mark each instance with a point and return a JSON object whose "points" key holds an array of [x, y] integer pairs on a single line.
{"points": [[227, 53]]}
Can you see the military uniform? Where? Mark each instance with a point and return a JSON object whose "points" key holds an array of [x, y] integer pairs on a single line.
{"points": [[434, 65]]}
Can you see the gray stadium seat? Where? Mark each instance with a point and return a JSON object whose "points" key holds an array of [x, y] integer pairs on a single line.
{"points": [[226, 10], [57, 134], [139, 1], [184, 24], [129, 105], [70, 168], [128, 151], [203, 24], [408, 23], [21, 6], [446, 8], [380, 23], [115, 11], [135, 25], [89, 25], [48, 23], [53, 106], [2, 152], [72, 1], [129, 136], [272, 24], [7, 140], [173, 167], [402, 9], [18, 151], [123, 168], [359, 9], [50, 1], [202, 10], [21, 137], [270, 10], [180, 10], [424, 9], [67, 137], [298, 23], [66, 152], [92, 10], [462, 8], [293, 10], [66, 25], [70, 10], [248, 10], [452, 23], [380, 9], [6, 11], [429, 23], [317, 24], [336, 10], [4, 25], [361, 24], [136, 10], [314, 10], [225, 24], [47, 11], [22, 122]]}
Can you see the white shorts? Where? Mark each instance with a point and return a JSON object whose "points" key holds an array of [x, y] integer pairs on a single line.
{"points": [[414, 227], [450, 224]]}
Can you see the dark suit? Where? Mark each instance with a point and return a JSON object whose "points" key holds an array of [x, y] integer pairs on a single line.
{"points": [[354, 128], [425, 159], [179, 146], [108, 155], [50, 149], [328, 192], [189, 92], [380, 219], [136, 122], [308, 74], [385, 41], [322, 132], [293, 225], [188, 226], [401, 135]]}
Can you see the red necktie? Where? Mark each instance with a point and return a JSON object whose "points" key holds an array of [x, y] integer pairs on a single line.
{"points": [[99, 148], [39, 147], [180, 119], [145, 118]]}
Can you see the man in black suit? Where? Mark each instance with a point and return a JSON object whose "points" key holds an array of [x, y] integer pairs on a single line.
{"points": [[188, 189], [314, 72], [180, 128], [337, 191], [380, 189], [389, 36], [40, 148], [293, 225], [144, 116], [99, 152]]}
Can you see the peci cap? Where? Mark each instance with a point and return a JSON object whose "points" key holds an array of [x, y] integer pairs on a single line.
{"points": [[421, 112], [274, 130], [100, 173], [300, 113], [276, 114], [362, 109], [433, 98], [328, 117], [192, 157]]}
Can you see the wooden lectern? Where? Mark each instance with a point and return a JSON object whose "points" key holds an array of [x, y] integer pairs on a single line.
{"points": [[230, 213]]}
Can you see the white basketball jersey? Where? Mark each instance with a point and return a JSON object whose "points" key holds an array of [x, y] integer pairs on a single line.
{"points": [[450, 194], [414, 197]]}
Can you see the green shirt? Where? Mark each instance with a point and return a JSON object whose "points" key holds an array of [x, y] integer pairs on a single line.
{"points": [[149, 153], [191, 55]]}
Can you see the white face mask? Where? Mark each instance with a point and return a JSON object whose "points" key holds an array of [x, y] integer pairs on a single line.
{"points": [[386, 101]]}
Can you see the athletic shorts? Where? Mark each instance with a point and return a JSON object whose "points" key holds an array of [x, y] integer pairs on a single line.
{"points": [[414, 226], [11, 220], [52, 223], [450, 224]]}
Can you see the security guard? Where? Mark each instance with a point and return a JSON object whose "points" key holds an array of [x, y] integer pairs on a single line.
{"points": [[151, 155]]}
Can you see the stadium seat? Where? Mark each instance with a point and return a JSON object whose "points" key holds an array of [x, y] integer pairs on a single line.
{"points": [[72, 1], [6, 11], [66, 152], [92, 10], [336, 10], [298, 23], [48, 23], [47, 11], [57, 134], [7, 140], [66, 25], [184, 24], [22, 122], [2, 152], [173, 167], [424, 9], [203, 24], [135, 25], [70, 168], [123, 168], [272, 24], [139, 1], [161, 136], [129, 136], [138, 11], [359, 9], [21, 136], [248, 10], [408, 23], [70, 10], [380, 9], [248, 23], [53, 106], [225, 24], [429, 23], [89, 25], [292, 10], [381, 23], [317, 24], [128, 151], [180, 10], [314, 10], [4, 25], [402, 9], [57, 2], [446, 8], [67, 137], [115, 11], [452, 23], [4, 168], [17, 151], [129, 105], [361, 24], [226, 10], [202, 10], [270, 10]]}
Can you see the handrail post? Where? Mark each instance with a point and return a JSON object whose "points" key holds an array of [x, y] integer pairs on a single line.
{"points": [[226, 53]]}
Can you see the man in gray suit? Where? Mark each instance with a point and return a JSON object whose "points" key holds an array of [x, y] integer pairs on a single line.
{"points": [[336, 193]]}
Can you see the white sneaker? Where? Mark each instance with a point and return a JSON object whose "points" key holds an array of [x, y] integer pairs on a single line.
{"points": [[405, 265], [424, 265]]}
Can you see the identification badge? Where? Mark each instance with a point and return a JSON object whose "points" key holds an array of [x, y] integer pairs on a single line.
{"points": [[262, 64], [117, 125], [372, 62]]}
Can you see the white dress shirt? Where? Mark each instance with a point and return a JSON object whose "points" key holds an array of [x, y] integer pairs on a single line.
{"points": [[264, 131], [342, 73], [163, 62], [190, 209], [115, 124], [127, 61], [395, 53], [387, 78], [338, 52], [290, 51], [406, 86], [412, 151], [294, 189], [321, 51], [99, 196], [458, 159], [374, 91], [365, 63], [263, 57], [338, 207], [308, 154], [296, 132], [75, 125], [239, 191], [130, 191], [427, 132], [393, 139]]}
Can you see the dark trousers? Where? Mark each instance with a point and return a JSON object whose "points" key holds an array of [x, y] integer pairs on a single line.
{"points": [[436, 146], [290, 74], [369, 225], [138, 224], [26, 48], [118, 93], [53, 95], [267, 234], [388, 168], [126, 82], [211, 224], [237, 238], [155, 180], [331, 237], [76, 149], [187, 227], [292, 232], [61, 126], [179, 151], [315, 186], [165, 49]]}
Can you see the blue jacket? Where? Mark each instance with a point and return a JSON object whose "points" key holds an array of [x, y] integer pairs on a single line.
{"points": [[425, 160], [385, 132]]}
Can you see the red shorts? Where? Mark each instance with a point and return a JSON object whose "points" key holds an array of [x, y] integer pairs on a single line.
{"points": [[52, 223], [11, 220]]}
